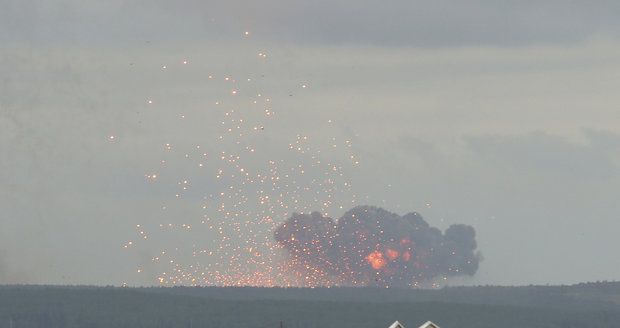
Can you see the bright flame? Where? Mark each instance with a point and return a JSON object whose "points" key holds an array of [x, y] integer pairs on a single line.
{"points": [[376, 260]]}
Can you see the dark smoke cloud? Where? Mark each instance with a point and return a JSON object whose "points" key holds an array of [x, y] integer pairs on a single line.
{"points": [[369, 246]]}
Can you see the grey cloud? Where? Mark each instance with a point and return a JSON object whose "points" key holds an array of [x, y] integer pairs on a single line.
{"points": [[545, 155], [395, 23], [603, 139]]}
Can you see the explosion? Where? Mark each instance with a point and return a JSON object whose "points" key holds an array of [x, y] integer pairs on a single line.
{"points": [[222, 189], [369, 246]]}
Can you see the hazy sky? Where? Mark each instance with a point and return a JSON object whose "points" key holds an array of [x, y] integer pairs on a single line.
{"points": [[500, 115]]}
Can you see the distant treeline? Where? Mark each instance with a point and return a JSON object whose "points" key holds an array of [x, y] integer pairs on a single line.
{"points": [[584, 296], [585, 305]]}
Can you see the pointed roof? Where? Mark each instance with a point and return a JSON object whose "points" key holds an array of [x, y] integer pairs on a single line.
{"points": [[429, 324]]}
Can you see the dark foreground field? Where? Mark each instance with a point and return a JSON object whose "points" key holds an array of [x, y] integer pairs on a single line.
{"points": [[584, 305]]}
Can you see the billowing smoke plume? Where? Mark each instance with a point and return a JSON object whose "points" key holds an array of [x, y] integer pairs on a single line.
{"points": [[370, 246]]}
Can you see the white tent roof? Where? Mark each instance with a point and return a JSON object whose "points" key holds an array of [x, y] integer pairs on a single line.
{"points": [[427, 324]]}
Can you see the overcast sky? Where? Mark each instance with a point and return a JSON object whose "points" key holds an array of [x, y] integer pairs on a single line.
{"points": [[501, 115]]}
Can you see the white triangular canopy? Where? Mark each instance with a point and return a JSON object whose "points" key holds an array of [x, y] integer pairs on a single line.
{"points": [[396, 324], [429, 324]]}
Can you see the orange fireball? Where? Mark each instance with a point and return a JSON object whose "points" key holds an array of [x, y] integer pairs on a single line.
{"points": [[376, 260], [391, 254]]}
